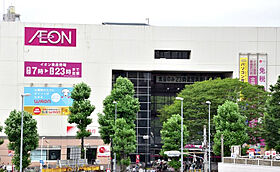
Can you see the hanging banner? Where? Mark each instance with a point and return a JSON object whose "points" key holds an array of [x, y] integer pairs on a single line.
{"points": [[262, 70], [48, 100], [52, 69], [253, 69], [243, 67]]}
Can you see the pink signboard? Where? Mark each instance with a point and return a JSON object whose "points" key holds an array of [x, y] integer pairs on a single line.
{"points": [[38, 36], [52, 69], [262, 70], [253, 69]]}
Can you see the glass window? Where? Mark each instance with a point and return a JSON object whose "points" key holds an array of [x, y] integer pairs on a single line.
{"points": [[132, 74], [142, 114], [142, 131], [143, 98], [54, 154], [172, 54], [142, 123], [36, 155], [142, 82]]}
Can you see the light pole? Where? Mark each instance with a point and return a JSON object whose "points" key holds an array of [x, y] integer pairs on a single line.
{"points": [[182, 118], [146, 137], [209, 147], [41, 159], [21, 129], [115, 159]]}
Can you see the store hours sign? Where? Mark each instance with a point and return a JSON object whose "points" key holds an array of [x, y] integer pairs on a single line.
{"points": [[52, 69]]}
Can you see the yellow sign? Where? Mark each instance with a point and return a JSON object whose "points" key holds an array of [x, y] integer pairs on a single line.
{"points": [[47, 110], [243, 69]]}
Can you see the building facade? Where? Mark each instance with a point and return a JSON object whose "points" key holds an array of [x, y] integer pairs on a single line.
{"points": [[48, 59]]}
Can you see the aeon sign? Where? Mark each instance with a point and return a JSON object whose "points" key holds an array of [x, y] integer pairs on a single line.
{"points": [[38, 36]]}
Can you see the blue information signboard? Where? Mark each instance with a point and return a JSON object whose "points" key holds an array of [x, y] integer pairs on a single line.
{"points": [[48, 96]]}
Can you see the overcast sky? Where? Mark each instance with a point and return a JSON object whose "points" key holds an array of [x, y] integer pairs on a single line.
{"points": [[159, 12]]}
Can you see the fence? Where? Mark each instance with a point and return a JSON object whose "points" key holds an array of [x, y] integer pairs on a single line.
{"points": [[247, 161]]}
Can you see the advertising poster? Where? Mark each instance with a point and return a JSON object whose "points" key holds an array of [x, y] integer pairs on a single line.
{"points": [[243, 67], [103, 151], [253, 69], [48, 100], [52, 69], [262, 70]]}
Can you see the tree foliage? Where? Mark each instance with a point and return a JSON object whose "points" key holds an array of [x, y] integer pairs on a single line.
{"points": [[250, 98], [171, 137], [81, 110], [171, 134], [272, 118], [30, 136], [124, 141], [1, 140], [232, 125], [127, 107]]}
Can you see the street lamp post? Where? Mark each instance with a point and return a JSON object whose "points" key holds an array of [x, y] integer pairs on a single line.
{"points": [[146, 137], [209, 147], [41, 162], [182, 118], [21, 129], [115, 159]]}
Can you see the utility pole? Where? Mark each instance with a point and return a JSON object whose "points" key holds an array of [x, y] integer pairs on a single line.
{"points": [[222, 147]]}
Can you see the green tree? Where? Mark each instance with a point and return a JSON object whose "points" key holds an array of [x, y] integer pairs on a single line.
{"points": [[30, 137], [124, 141], [1, 140], [272, 118], [250, 98], [232, 125], [127, 108], [171, 137], [81, 111]]}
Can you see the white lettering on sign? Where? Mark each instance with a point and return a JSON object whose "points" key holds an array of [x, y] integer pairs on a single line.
{"points": [[52, 37]]}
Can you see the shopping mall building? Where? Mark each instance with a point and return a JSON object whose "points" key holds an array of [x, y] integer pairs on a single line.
{"points": [[46, 60]]}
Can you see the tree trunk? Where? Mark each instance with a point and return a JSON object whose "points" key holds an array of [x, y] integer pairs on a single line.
{"points": [[82, 148]]}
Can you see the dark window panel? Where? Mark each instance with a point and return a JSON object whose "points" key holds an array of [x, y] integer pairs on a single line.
{"points": [[142, 114], [142, 131], [172, 54], [143, 98]]}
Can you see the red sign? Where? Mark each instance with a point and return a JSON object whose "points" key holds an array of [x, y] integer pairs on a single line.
{"points": [[137, 159], [38, 36], [36, 110], [103, 151]]}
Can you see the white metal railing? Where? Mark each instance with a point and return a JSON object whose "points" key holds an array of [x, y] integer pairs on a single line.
{"points": [[247, 161]]}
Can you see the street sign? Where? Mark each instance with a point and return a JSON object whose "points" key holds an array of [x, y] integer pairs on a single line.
{"points": [[172, 153]]}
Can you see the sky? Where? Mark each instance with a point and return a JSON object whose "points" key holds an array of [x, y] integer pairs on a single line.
{"points": [[160, 12]]}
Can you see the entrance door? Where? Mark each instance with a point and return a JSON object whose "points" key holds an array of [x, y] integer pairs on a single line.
{"points": [[91, 155]]}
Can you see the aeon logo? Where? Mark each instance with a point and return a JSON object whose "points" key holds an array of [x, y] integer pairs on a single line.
{"points": [[37, 36]]}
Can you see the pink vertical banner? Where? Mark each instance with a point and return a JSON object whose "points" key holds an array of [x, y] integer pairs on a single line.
{"points": [[253, 69], [262, 70]]}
